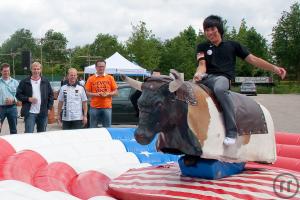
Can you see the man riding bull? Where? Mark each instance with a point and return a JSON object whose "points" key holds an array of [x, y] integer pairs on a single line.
{"points": [[216, 68]]}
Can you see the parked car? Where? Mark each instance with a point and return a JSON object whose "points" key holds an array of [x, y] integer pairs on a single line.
{"points": [[123, 111], [248, 88]]}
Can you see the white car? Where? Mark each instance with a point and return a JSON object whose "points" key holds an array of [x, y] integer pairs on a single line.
{"points": [[248, 88]]}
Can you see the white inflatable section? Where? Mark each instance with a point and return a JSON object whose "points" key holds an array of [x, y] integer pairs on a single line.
{"points": [[16, 190], [83, 150], [37, 140]]}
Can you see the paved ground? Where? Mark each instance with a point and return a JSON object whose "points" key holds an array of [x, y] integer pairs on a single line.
{"points": [[285, 110]]}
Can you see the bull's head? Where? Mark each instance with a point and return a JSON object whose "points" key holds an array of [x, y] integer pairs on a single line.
{"points": [[158, 107]]}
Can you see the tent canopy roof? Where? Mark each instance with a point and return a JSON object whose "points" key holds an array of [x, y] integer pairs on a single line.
{"points": [[117, 64]]}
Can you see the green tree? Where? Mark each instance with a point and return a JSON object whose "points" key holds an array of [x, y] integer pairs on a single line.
{"points": [[179, 53], [143, 47], [255, 43], [106, 45], [54, 49], [12, 48], [286, 41], [81, 57]]}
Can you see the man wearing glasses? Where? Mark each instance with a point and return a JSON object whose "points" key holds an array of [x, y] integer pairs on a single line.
{"points": [[100, 88]]}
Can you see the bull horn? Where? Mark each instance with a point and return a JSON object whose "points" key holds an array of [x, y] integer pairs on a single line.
{"points": [[177, 82], [133, 83]]}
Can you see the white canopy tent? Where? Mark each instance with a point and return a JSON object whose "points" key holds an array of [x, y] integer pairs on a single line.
{"points": [[117, 64]]}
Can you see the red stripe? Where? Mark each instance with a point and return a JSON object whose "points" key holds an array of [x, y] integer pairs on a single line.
{"points": [[159, 175], [188, 179], [142, 192], [270, 179], [205, 188], [179, 179], [270, 184]]}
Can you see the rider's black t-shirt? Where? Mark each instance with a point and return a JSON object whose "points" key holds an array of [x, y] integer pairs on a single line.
{"points": [[220, 60]]}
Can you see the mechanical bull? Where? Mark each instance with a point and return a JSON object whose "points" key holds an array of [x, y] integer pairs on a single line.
{"points": [[189, 121]]}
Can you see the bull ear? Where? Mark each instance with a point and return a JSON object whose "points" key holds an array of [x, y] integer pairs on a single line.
{"points": [[177, 82], [133, 83]]}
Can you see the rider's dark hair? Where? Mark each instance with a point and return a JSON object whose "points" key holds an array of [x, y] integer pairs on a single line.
{"points": [[214, 21]]}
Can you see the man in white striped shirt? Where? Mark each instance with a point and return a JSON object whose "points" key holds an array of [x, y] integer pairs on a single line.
{"points": [[72, 105]]}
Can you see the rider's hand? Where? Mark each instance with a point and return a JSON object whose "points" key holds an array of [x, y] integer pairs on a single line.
{"points": [[280, 71], [199, 76]]}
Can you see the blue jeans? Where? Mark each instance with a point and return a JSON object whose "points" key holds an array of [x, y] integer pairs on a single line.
{"points": [[32, 119], [102, 115], [11, 113], [220, 85]]}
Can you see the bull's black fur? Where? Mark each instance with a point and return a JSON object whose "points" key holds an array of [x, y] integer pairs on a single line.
{"points": [[161, 112]]}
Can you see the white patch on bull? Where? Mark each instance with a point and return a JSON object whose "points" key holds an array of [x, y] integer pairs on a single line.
{"points": [[216, 131], [260, 147], [207, 123]]}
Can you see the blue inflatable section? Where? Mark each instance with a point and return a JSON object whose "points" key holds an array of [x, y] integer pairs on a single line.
{"points": [[210, 169], [133, 146], [145, 153], [121, 133], [156, 158]]}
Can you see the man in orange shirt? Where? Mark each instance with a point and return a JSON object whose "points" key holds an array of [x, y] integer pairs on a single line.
{"points": [[100, 88]]}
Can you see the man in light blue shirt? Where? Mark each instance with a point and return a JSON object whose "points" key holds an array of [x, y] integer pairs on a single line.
{"points": [[8, 108]]}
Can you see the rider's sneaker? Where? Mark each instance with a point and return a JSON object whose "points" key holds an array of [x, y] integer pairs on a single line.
{"points": [[229, 141]]}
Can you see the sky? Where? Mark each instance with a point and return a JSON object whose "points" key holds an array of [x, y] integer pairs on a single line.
{"points": [[82, 20]]}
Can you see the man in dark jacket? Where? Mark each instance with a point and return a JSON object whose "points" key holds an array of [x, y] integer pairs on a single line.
{"points": [[36, 95]]}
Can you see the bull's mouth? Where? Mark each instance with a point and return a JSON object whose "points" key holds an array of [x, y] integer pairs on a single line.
{"points": [[146, 130], [141, 139], [143, 136]]}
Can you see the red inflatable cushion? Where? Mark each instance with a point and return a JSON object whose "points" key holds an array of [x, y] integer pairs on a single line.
{"points": [[89, 184], [290, 151], [287, 138], [22, 166], [5, 150], [54, 177]]}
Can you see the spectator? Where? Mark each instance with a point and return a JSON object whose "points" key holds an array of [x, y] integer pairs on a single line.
{"points": [[36, 95], [8, 108], [156, 72], [72, 98], [64, 81], [81, 81], [101, 87]]}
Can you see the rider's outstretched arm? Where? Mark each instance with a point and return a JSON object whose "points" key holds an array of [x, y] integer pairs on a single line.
{"points": [[261, 63]]}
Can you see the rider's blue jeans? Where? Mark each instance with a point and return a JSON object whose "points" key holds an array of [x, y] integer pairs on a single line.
{"points": [[220, 85]]}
